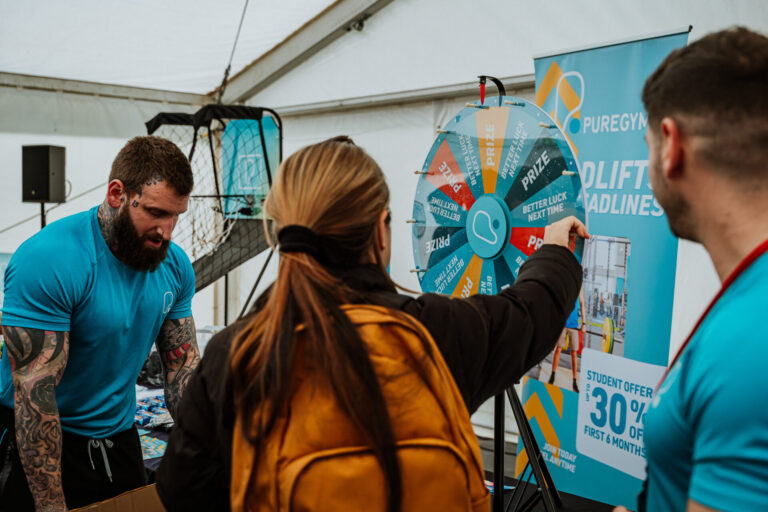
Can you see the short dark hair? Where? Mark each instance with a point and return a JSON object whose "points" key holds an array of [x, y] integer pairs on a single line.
{"points": [[144, 158], [717, 88]]}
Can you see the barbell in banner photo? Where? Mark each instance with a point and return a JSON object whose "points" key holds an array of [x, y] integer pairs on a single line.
{"points": [[607, 342]]}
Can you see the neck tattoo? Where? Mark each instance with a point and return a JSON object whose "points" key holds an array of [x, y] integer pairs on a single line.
{"points": [[106, 216]]}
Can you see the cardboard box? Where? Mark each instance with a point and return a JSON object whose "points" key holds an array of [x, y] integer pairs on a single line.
{"points": [[143, 499]]}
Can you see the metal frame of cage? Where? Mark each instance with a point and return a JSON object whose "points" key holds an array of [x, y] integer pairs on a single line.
{"points": [[209, 122]]}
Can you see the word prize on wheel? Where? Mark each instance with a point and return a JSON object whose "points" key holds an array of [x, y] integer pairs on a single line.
{"points": [[496, 175]]}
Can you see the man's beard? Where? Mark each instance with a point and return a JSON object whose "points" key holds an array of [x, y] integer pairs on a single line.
{"points": [[676, 207], [130, 248]]}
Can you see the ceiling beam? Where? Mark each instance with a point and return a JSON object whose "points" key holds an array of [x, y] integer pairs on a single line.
{"points": [[511, 83], [319, 32], [41, 83]]}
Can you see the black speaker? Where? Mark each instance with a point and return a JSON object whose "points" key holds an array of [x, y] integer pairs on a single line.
{"points": [[42, 174]]}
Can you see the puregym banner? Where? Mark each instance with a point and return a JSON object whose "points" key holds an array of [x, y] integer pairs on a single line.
{"points": [[625, 305]]}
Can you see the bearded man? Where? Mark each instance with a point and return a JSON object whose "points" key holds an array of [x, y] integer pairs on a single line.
{"points": [[85, 298]]}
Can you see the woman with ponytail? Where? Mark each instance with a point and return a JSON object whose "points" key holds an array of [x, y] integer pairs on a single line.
{"points": [[307, 373]]}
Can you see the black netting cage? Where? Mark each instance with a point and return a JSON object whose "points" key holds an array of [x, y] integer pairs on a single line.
{"points": [[234, 152]]}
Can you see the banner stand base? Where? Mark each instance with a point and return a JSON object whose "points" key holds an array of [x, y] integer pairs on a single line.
{"points": [[546, 492]]}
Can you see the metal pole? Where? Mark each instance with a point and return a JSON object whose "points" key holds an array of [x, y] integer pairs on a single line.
{"points": [[226, 299], [256, 284], [498, 453]]}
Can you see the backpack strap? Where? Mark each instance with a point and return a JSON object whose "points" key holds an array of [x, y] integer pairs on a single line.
{"points": [[399, 302]]}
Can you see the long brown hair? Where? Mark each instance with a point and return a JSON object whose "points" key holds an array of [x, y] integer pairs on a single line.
{"points": [[338, 191]]}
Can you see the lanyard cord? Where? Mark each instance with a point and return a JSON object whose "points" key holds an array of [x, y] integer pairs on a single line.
{"points": [[740, 268]]}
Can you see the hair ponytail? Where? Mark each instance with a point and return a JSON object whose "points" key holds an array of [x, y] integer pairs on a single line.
{"points": [[318, 187]]}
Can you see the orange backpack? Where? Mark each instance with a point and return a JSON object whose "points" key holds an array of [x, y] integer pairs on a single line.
{"points": [[315, 460]]}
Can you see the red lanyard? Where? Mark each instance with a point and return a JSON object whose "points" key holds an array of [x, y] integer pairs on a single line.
{"points": [[740, 268]]}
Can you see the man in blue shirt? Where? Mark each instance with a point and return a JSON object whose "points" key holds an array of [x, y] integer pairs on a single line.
{"points": [[85, 298], [572, 334], [706, 432]]}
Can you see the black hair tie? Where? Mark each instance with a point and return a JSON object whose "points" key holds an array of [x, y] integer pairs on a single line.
{"points": [[295, 238]]}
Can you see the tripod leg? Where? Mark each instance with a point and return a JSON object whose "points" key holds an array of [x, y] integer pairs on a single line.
{"points": [[531, 501], [521, 487], [547, 489]]}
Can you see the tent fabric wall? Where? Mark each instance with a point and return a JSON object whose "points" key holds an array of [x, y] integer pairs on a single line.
{"points": [[46, 112], [412, 44], [182, 45]]}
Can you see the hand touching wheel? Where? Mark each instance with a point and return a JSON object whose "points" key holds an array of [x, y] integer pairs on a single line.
{"points": [[564, 231]]}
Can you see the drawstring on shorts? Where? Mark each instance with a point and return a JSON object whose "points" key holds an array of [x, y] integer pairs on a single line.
{"points": [[99, 443]]}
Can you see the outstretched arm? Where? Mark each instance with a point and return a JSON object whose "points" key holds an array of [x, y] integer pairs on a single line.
{"points": [[38, 359], [177, 346]]}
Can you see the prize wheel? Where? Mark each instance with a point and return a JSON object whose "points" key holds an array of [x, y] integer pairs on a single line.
{"points": [[496, 175]]}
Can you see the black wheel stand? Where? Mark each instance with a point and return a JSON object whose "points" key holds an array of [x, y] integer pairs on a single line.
{"points": [[546, 492]]}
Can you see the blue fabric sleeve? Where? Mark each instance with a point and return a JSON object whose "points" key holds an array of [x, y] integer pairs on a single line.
{"points": [[573, 319], [182, 307], [43, 284], [730, 420]]}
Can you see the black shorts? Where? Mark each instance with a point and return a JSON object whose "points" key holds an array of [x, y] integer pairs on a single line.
{"points": [[83, 482]]}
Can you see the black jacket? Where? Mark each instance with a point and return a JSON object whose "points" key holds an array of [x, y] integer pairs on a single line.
{"points": [[488, 342]]}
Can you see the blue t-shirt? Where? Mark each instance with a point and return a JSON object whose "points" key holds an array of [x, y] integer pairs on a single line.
{"points": [[65, 278], [573, 319], [706, 432]]}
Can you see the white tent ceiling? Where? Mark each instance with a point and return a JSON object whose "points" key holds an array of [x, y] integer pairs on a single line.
{"points": [[418, 45], [180, 45]]}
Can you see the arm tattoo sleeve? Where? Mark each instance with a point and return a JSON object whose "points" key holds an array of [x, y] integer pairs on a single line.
{"points": [[38, 359], [177, 346]]}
